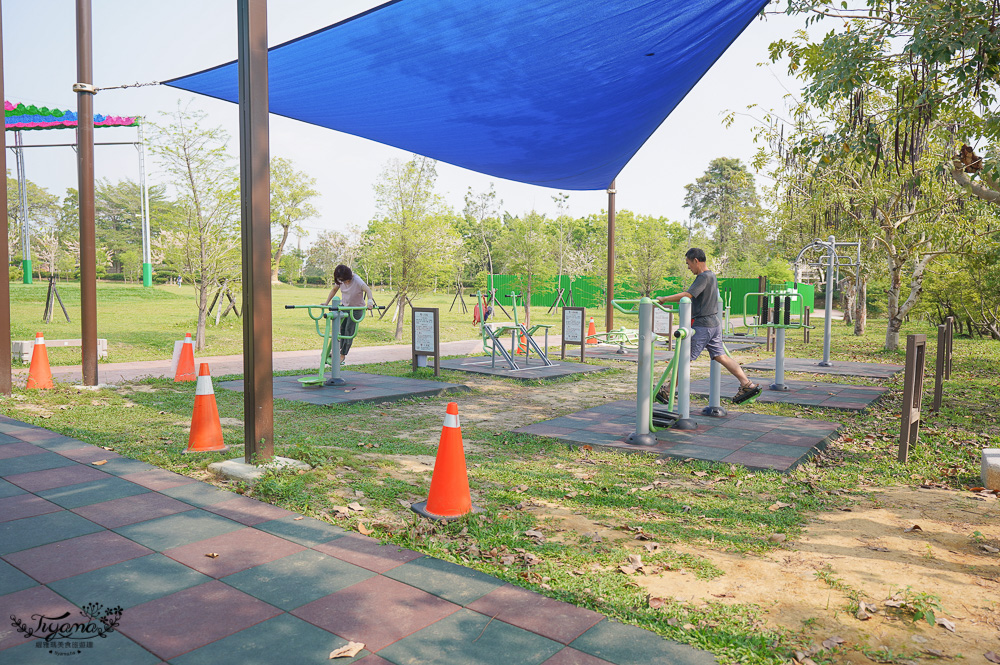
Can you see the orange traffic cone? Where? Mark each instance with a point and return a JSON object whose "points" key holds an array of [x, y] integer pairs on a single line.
{"points": [[185, 365], [449, 496], [206, 430], [39, 373], [591, 332]]}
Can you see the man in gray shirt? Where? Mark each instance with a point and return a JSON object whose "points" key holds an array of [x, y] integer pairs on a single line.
{"points": [[704, 295]]}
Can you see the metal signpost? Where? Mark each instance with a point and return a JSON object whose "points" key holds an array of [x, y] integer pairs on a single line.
{"points": [[832, 262], [426, 337]]}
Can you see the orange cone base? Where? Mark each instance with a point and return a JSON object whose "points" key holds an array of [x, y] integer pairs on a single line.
{"points": [[223, 449], [421, 509]]}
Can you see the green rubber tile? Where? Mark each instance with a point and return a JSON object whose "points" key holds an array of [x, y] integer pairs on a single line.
{"points": [[629, 645], [9, 489], [122, 466], [165, 533], [6, 438], [685, 450], [29, 532], [12, 579], [130, 583], [110, 650], [199, 494], [446, 580], [60, 443], [449, 641], [270, 642], [96, 491], [297, 579], [29, 463], [304, 531]]}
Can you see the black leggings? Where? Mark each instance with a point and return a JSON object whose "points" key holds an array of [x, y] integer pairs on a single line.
{"points": [[347, 327]]}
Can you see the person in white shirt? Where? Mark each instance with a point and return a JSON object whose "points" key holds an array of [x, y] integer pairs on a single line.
{"points": [[353, 291]]}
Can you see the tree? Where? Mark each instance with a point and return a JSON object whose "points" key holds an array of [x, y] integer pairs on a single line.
{"points": [[329, 250], [413, 237], [118, 217], [725, 200], [43, 213], [481, 229], [202, 235], [291, 193], [528, 248], [647, 249]]}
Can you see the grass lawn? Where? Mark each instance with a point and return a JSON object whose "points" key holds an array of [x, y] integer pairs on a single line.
{"points": [[594, 528], [143, 323]]}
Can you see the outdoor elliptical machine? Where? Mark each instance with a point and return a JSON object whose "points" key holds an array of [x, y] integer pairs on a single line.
{"points": [[332, 314], [491, 334], [677, 415]]}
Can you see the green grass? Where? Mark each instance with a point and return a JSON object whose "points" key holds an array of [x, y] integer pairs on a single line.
{"points": [[143, 323], [359, 453]]}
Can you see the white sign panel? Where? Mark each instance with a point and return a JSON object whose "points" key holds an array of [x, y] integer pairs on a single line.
{"points": [[661, 321], [423, 332], [573, 326]]}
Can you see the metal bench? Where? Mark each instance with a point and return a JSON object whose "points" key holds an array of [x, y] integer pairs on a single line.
{"points": [[22, 350]]}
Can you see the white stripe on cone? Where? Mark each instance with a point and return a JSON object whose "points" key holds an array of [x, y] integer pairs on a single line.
{"points": [[204, 386], [39, 340], [451, 420]]}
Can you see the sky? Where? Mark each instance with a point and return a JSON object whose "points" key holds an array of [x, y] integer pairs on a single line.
{"points": [[145, 42]]}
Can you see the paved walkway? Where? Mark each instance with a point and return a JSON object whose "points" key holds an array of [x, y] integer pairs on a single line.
{"points": [[195, 574]]}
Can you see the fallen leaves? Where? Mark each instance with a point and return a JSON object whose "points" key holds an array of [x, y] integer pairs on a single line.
{"points": [[349, 650], [909, 529], [865, 611], [212, 555], [945, 623], [992, 657], [363, 529], [778, 505], [100, 462]]}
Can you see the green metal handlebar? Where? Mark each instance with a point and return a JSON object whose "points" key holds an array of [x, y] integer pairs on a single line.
{"points": [[617, 304]]}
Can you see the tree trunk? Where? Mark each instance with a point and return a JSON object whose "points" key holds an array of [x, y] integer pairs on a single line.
{"points": [[848, 293], [400, 309], [199, 344], [899, 312], [277, 256], [860, 305]]}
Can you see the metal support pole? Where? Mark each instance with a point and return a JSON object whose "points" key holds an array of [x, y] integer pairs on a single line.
{"points": [[147, 264], [258, 397], [337, 316], [85, 90], [830, 269], [643, 398], [684, 369], [5, 362], [715, 408], [609, 311], [779, 360], [22, 191]]}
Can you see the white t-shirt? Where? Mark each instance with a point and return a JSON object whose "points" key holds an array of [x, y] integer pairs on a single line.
{"points": [[352, 293]]}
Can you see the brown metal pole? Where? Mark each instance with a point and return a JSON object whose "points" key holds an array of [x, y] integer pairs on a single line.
{"points": [[84, 88], [258, 399], [5, 376], [609, 311]]}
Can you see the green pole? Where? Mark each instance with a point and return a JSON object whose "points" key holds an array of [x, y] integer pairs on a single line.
{"points": [[26, 270], [147, 274]]}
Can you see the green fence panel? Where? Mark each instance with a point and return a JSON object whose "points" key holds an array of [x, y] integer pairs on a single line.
{"points": [[737, 288]]}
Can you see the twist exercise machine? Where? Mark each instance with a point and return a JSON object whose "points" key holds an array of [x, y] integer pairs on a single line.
{"points": [[332, 314]]}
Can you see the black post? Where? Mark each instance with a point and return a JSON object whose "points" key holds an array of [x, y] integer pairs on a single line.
{"points": [[258, 398], [84, 88]]}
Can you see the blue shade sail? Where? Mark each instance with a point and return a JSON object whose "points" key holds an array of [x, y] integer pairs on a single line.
{"points": [[557, 93]]}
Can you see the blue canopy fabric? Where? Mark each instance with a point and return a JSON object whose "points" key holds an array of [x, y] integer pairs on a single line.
{"points": [[558, 93]]}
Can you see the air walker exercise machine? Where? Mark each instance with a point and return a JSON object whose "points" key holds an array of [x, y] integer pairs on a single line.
{"points": [[492, 333], [332, 314], [776, 313]]}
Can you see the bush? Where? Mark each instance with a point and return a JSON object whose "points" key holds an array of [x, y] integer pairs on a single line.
{"points": [[315, 279]]}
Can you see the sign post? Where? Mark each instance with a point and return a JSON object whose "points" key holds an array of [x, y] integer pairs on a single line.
{"points": [[426, 337], [572, 330]]}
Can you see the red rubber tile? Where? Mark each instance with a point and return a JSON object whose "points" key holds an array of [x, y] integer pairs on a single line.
{"points": [[192, 618], [19, 450], [378, 612], [368, 553], [237, 550], [89, 454], [25, 505], [158, 479], [131, 509], [247, 511], [74, 556], [550, 618], [21, 605], [36, 481]]}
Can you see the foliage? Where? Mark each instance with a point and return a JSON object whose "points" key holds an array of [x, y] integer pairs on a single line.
{"points": [[413, 238], [647, 249], [724, 200], [201, 237], [527, 246], [292, 193]]}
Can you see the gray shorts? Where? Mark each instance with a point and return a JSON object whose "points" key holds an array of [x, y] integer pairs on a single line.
{"points": [[707, 338]]}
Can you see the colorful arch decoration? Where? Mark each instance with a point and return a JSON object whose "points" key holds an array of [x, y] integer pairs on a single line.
{"points": [[19, 117]]}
